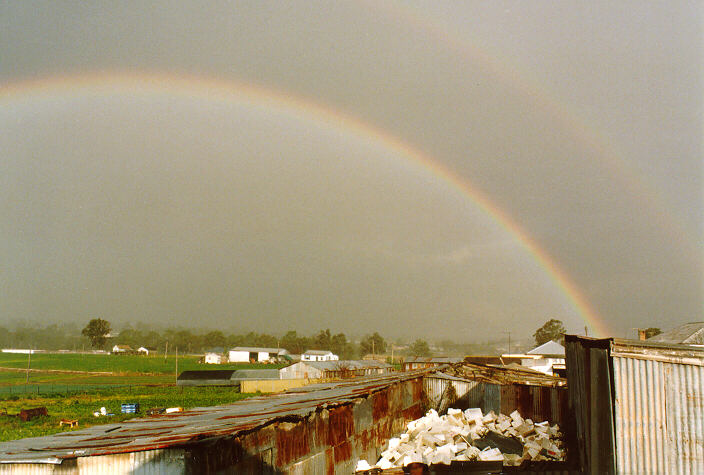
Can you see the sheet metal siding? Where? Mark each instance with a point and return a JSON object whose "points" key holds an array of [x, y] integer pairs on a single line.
{"points": [[659, 416], [535, 402], [590, 404], [470, 393], [492, 398], [147, 462], [30, 469]]}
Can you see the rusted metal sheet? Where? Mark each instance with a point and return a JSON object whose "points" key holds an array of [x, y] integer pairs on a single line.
{"points": [[29, 414], [344, 421]]}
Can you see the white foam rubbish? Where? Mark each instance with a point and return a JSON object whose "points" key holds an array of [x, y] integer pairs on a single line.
{"points": [[435, 439]]}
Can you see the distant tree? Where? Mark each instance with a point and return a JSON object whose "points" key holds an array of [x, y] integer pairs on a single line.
{"points": [[652, 331], [341, 347], [323, 340], [373, 344], [293, 343], [214, 339], [97, 331], [551, 330], [419, 348]]}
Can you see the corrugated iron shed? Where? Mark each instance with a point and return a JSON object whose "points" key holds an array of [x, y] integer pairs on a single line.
{"points": [[173, 431], [638, 405]]}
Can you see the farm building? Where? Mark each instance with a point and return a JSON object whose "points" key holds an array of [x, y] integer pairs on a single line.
{"points": [[213, 358], [319, 355], [225, 377], [211, 377], [143, 350], [121, 349], [246, 354], [334, 369]]}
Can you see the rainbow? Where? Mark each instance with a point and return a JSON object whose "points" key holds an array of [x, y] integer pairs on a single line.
{"points": [[231, 91], [518, 80]]}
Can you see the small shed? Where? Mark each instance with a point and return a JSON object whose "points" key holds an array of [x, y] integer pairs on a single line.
{"points": [[319, 355], [213, 358], [143, 350]]}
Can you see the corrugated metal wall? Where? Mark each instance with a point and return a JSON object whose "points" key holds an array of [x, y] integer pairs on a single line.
{"points": [[147, 462], [639, 407], [659, 415], [535, 402]]}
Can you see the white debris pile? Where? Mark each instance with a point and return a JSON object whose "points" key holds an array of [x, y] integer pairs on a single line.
{"points": [[471, 435]]}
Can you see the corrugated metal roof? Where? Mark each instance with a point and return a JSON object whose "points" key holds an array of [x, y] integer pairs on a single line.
{"points": [[549, 348], [206, 374], [178, 429], [690, 334], [318, 352], [499, 374], [434, 359], [341, 365], [242, 374], [253, 349]]}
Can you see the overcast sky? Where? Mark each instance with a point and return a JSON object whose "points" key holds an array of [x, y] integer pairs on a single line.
{"points": [[238, 165]]}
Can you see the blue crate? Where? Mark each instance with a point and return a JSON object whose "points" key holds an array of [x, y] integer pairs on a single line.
{"points": [[132, 408]]}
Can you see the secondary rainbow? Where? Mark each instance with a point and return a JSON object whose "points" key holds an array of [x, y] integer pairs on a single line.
{"points": [[227, 90], [467, 49]]}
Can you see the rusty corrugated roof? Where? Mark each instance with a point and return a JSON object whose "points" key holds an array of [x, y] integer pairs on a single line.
{"points": [[177, 429], [500, 374]]}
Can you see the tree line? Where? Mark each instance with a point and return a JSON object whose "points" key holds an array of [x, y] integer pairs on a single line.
{"points": [[99, 334]]}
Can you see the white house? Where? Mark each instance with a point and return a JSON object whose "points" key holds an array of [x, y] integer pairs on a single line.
{"points": [[246, 354], [121, 349], [213, 358], [319, 355], [143, 351], [546, 357]]}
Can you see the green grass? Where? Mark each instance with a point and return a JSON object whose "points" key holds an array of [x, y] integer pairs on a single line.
{"points": [[82, 405], [117, 363]]}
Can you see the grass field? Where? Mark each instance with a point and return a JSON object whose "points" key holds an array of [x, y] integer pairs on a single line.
{"points": [[82, 405], [131, 364], [148, 380]]}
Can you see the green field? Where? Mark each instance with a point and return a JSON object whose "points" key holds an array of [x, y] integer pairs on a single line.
{"points": [[149, 380], [82, 405], [131, 364]]}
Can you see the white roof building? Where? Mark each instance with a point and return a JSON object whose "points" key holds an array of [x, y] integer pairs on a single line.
{"points": [[319, 355], [249, 354], [546, 357]]}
